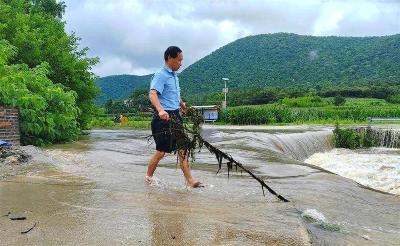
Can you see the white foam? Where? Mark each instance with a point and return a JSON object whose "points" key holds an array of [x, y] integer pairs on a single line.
{"points": [[155, 182], [378, 168], [314, 215]]}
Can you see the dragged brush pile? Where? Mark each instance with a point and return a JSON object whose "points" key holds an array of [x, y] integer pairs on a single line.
{"points": [[188, 139]]}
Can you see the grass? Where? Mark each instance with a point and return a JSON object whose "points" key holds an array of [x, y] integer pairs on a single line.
{"points": [[363, 102], [355, 111], [108, 123]]}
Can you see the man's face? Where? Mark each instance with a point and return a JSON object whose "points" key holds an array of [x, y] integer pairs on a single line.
{"points": [[175, 63]]}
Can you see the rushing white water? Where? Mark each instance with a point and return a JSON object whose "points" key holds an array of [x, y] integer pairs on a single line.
{"points": [[301, 145], [378, 168], [389, 138], [297, 145]]}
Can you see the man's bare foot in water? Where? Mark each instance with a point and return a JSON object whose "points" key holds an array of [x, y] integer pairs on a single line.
{"points": [[148, 179], [196, 184]]}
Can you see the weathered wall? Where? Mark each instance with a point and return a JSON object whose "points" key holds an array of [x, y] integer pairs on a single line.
{"points": [[9, 125]]}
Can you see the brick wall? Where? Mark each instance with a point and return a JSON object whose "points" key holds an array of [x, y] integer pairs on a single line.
{"points": [[9, 125]]}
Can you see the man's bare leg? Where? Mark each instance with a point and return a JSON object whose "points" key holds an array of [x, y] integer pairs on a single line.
{"points": [[183, 161], [154, 160]]}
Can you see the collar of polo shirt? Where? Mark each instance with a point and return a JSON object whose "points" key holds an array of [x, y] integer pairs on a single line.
{"points": [[169, 69]]}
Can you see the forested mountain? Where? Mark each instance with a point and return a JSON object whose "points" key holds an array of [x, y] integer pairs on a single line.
{"points": [[291, 60], [120, 86]]}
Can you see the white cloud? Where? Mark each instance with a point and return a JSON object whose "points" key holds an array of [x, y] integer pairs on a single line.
{"points": [[116, 65], [130, 36], [358, 18], [328, 23]]}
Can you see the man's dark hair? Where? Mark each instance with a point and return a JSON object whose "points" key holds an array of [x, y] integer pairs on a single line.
{"points": [[172, 51]]}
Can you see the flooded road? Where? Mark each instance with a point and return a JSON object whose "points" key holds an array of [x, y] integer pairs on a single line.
{"points": [[92, 193]]}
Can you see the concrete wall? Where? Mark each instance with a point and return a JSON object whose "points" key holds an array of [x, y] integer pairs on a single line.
{"points": [[9, 125]]}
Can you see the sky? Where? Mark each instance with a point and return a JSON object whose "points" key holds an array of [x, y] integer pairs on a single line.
{"points": [[130, 36]]}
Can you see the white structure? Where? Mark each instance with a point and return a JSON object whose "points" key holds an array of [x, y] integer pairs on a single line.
{"points": [[224, 90], [209, 112]]}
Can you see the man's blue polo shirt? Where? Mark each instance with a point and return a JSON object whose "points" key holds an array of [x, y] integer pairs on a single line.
{"points": [[166, 83]]}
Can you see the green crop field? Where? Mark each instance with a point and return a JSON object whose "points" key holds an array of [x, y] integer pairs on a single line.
{"points": [[354, 111]]}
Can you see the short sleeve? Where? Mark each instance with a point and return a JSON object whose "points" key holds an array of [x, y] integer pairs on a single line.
{"points": [[157, 83]]}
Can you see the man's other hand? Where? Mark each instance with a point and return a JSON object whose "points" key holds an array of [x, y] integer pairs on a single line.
{"points": [[163, 115], [185, 109]]}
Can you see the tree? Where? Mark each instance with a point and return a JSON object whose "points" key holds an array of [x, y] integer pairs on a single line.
{"points": [[108, 104], [140, 100], [48, 112], [50, 7], [118, 107], [339, 100], [35, 29]]}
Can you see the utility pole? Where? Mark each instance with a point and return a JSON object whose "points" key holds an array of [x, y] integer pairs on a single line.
{"points": [[225, 90]]}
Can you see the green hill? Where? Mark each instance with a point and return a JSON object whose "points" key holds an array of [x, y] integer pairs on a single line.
{"points": [[283, 60], [291, 60], [120, 86]]}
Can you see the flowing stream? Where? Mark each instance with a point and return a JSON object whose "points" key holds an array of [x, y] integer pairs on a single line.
{"points": [[92, 192]]}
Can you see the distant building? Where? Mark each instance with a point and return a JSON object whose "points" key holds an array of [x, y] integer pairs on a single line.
{"points": [[129, 103], [210, 112]]}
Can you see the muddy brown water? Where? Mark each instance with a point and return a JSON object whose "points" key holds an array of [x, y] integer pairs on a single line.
{"points": [[92, 192]]}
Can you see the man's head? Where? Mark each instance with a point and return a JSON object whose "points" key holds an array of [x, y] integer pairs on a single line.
{"points": [[173, 57]]}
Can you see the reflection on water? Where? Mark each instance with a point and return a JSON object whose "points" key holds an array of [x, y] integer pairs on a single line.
{"points": [[30, 196], [107, 202], [167, 225]]}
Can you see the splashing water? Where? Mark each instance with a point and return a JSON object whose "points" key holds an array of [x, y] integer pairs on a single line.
{"points": [[313, 216], [378, 168], [389, 138]]}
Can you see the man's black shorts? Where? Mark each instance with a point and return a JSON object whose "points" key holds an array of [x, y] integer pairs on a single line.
{"points": [[161, 132]]}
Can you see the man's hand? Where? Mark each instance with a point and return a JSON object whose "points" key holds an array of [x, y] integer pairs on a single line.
{"points": [[163, 115], [156, 103], [185, 109]]}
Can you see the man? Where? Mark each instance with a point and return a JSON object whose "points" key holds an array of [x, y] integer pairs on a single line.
{"points": [[165, 97]]}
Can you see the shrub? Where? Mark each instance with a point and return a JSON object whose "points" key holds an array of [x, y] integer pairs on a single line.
{"points": [[394, 99], [353, 139], [346, 138], [48, 112], [339, 100]]}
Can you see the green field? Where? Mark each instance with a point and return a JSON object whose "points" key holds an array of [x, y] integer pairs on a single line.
{"points": [[353, 111], [108, 123]]}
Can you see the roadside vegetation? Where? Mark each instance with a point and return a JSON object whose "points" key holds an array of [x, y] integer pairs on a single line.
{"points": [[353, 139], [43, 73], [108, 122]]}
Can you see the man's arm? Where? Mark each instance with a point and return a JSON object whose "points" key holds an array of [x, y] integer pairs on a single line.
{"points": [[156, 103]]}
